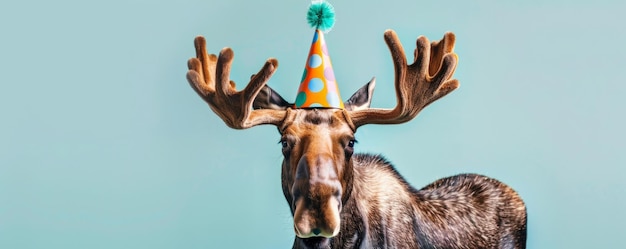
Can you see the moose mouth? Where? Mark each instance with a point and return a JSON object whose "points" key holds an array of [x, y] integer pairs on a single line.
{"points": [[315, 242]]}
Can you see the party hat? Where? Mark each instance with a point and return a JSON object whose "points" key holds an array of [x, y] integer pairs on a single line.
{"points": [[318, 88]]}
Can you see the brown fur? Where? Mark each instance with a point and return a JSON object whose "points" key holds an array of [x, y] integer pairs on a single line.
{"points": [[381, 210]]}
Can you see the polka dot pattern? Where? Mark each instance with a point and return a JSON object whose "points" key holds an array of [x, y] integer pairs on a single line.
{"points": [[315, 61], [331, 86], [303, 75], [333, 99], [300, 99], [324, 49], [318, 87], [329, 74]]}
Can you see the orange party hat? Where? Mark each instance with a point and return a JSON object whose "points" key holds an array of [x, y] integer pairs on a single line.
{"points": [[318, 88]]}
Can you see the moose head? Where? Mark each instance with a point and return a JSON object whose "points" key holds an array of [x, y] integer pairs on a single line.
{"points": [[317, 143]]}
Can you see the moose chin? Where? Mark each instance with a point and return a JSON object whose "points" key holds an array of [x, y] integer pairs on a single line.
{"points": [[340, 199]]}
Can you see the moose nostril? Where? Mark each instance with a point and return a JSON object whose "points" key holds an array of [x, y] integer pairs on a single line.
{"points": [[316, 231]]}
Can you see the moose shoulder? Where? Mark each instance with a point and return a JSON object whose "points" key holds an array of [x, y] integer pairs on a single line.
{"points": [[339, 199]]}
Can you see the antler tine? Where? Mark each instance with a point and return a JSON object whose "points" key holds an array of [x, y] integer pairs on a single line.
{"points": [[417, 85], [209, 76]]}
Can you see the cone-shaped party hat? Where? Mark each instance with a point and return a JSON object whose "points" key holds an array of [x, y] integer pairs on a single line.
{"points": [[318, 88]]}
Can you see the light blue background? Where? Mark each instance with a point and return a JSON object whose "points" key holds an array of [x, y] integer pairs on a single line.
{"points": [[103, 144]]}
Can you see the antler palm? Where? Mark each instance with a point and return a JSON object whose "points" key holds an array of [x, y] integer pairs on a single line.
{"points": [[418, 84], [209, 76]]}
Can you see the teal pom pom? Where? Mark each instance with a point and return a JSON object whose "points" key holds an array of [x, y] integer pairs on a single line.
{"points": [[321, 15]]}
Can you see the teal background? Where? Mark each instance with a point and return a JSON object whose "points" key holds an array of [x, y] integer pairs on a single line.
{"points": [[103, 144]]}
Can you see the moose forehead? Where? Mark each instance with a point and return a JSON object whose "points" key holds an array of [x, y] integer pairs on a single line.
{"points": [[300, 122]]}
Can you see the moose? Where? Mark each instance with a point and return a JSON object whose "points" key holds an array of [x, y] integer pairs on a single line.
{"points": [[339, 199]]}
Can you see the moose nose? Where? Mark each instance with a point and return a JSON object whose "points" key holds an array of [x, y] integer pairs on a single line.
{"points": [[316, 203], [323, 221], [315, 232]]}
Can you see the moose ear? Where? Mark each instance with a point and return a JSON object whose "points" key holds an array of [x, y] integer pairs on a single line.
{"points": [[362, 98], [270, 99]]}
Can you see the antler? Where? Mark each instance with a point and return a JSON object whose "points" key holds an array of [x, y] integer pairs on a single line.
{"points": [[209, 75], [418, 84]]}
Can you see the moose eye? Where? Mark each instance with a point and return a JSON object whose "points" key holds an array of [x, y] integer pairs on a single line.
{"points": [[286, 147], [351, 143]]}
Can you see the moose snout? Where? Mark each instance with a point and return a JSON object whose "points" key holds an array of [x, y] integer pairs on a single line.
{"points": [[316, 194], [317, 222]]}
